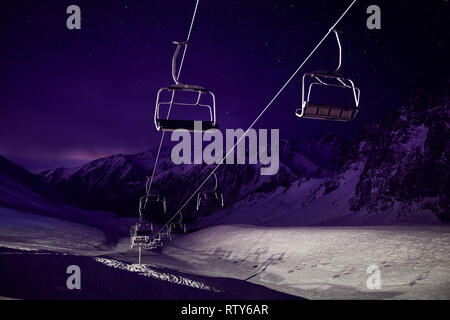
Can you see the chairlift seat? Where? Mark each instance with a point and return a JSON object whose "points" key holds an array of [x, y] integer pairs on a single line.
{"points": [[141, 240], [210, 199], [141, 234], [327, 74], [187, 87], [328, 112], [149, 246], [172, 125], [203, 98], [144, 233]]}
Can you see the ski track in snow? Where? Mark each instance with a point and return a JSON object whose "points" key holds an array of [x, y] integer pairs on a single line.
{"points": [[146, 271], [310, 262]]}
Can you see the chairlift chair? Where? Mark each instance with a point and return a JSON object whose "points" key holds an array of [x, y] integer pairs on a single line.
{"points": [[179, 226], [158, 241], [152, 206], [167, 124], [141, 234], [154, 243], [165, 234], [335, 112], [209, 201]]}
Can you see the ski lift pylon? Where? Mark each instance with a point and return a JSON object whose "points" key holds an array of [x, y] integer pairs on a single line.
{"points": [[335, 112]]}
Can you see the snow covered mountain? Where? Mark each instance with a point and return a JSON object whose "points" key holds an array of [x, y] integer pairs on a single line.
{"points": [[396, 171], [115, 183], [20, 189], [27, 201]]}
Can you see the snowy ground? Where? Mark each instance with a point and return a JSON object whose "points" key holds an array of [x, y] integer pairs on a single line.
{"points": [[322, 263], [35, 252], [226, 262], [27, 231]]}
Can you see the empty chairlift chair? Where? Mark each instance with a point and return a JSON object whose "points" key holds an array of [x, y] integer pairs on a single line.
{"points": [[153, 243], [141, 235], [178, 226], [209, 201], [165, 234], [151, 207], [200, 94], [333, 79]]}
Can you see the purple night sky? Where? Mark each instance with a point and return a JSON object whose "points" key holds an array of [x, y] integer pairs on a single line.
{"points": [[67, 97]]}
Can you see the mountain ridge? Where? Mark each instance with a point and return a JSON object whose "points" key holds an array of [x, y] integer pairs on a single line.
{"points": [[398, 165]]}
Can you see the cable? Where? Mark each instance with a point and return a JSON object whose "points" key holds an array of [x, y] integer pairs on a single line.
{"points": [[259, 116]]}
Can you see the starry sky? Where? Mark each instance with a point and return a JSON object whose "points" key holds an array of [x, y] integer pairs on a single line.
{"points": [[71, 96]]}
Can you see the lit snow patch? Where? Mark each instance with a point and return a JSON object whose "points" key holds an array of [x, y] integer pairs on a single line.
{"points": [[144, 270]]}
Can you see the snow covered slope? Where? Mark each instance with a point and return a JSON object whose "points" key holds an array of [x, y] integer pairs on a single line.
{"points": [[41, 235], [28, 231], [23, 190], [42, 275], [325, 262], [25, 197]]}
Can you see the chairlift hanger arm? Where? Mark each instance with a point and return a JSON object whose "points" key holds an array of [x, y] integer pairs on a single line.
{"points": [[176, 73], [336, 33]]}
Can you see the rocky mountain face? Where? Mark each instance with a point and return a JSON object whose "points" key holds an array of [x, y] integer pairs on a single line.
{"points": [[396, 171], [406, 159]]}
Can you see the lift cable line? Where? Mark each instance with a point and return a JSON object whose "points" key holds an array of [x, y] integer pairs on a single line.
{"points": [[260, 115]]}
